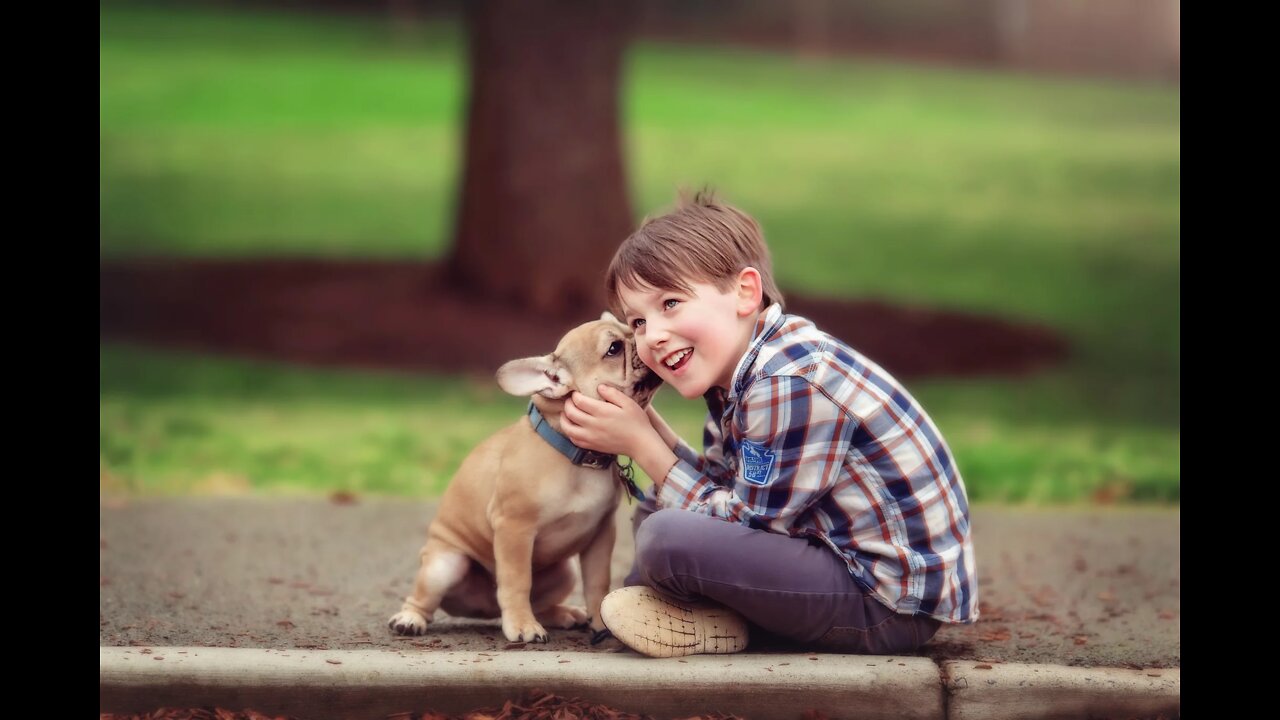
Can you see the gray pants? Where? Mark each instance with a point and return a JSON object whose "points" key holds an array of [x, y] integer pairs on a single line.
{"points": [[795, 590]]}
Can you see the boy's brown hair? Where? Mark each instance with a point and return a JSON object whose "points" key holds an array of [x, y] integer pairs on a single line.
{"points": [[702, 240]]}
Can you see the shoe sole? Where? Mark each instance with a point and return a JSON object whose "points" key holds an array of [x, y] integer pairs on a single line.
{"points": [[658, 626]]}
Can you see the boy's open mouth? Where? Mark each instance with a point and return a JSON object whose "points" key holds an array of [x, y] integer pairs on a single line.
{"points": [[678, 359]]}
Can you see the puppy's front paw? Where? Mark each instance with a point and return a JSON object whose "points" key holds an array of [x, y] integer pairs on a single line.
{"points": [[527, 631], [564, 616], [408, 622]]}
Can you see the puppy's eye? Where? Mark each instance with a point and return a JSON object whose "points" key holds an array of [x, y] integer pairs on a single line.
{"points": [[614, 348]]}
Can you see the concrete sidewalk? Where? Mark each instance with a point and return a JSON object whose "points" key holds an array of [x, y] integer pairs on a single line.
{"points": [[1096, 590]]}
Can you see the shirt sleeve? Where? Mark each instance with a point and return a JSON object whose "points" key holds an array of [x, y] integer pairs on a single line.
{"points": [[710, 466], [792, 442]]}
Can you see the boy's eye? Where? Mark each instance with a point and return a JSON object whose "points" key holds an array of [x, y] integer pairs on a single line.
{"points": [[615, 347], [668, 304], [637, 323]]}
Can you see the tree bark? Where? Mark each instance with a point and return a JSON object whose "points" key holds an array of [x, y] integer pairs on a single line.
{"points": [[544, 198]]}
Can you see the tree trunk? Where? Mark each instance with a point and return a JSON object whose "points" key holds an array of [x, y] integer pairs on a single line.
{"points": [[544, 199]]}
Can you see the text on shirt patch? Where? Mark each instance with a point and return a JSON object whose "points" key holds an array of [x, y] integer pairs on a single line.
{"points": [[757, 462]]}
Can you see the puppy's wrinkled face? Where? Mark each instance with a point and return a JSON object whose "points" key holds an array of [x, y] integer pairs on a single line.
{"points": [[601, 352]]}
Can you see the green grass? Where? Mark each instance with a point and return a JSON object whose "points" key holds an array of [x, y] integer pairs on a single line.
{"points": [[180, 423], [177, 423], [1050, 201]]}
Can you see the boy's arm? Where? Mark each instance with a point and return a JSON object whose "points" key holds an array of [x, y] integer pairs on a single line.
{"points": [[793, 442], [711, 440], [710, 464], [669, 436]]}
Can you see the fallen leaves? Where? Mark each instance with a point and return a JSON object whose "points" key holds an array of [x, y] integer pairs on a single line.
{"points": [[195, 714], [999, 634], [534, 705], [1044, 597]]}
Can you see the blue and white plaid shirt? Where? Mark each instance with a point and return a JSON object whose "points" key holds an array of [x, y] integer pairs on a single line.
{"points": [[815, 440]]}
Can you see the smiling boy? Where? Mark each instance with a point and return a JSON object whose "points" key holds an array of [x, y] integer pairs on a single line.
{"points": [[825, 509]]}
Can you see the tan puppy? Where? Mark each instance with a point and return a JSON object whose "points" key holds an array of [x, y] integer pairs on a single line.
{"points": [[518, 509]]}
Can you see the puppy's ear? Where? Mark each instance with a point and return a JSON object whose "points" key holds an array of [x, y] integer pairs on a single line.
{"points": [[610, 316], [534, 375]]}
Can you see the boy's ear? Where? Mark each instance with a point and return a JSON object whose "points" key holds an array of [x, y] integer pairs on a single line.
{"points": [[534, 375], [750, 291]]}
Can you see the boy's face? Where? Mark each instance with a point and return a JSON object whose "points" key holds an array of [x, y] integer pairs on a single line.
{"points": [[693, 340]]}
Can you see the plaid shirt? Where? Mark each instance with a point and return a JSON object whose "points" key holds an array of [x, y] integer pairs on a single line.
{"points": [[815, 440]]}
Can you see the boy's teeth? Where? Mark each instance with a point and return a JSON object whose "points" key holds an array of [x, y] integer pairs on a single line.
{"points": [[674, 359]]}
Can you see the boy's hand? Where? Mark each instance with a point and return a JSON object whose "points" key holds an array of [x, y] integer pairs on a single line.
{"points": [[617, 425]]}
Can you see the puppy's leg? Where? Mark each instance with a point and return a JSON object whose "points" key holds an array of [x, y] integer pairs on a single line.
{"points": [[596, 561], [475, 596], [550, 588], [441, 568], [513, 560]]}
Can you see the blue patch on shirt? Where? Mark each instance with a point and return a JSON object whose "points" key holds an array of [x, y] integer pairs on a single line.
{"points": [[757, 462]]}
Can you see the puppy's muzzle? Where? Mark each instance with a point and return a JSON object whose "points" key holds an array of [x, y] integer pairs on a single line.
{"points": [[648, 383], [642, 391]]}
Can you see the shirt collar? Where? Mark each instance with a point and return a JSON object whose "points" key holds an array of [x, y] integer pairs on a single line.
{"points": [[766, 327]]}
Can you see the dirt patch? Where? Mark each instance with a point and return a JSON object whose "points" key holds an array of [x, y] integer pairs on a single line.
{"points": [[402, 316]]}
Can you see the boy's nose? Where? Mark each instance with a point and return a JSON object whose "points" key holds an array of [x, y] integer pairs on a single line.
{"points": [[656, 335]]}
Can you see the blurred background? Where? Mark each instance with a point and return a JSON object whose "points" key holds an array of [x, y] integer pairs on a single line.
{"points": [[324, 225]]}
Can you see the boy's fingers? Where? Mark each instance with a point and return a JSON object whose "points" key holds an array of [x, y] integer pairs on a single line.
{"points": [[570, 411], [586, 404], [612, 395]]}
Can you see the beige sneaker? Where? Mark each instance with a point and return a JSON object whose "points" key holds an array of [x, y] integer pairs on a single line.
{"points": [[658, 625]]}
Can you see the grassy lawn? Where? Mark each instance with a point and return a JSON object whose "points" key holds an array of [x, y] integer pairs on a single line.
{"points": [[1053, 201]]}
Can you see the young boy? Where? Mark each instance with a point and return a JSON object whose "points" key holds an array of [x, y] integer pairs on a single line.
{"points": [[826, 508]]}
